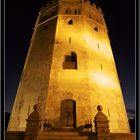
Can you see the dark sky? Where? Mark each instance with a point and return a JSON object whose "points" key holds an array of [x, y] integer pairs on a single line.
{"points": [[20, 17]]}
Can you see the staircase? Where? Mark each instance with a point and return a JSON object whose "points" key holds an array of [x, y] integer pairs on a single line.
{"points": [[64, 135]]}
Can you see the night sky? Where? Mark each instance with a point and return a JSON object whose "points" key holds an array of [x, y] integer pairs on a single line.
{"points": [[20, 17]]}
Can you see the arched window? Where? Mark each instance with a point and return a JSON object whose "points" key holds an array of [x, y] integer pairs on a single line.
{"points": [[70, 61], [67, 11], [70, 22], [96, 29], [75, 12]]}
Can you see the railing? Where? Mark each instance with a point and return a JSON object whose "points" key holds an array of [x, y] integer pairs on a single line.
{"points": [[88, 125]]}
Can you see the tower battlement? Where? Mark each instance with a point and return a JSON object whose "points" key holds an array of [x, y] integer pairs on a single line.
{"points": [[49, 5], [72, 8], [92, 4], [55, 2]]}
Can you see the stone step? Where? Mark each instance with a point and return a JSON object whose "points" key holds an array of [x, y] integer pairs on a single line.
{"points": [[62, 138], [66, 138], [63, 135], [14, 135], [70, 133]]}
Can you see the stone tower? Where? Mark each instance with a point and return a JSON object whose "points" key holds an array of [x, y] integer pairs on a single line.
{"points": [[69, 69]]}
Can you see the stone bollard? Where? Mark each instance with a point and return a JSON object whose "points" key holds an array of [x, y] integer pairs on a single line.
{"points": [[33, 125], [101, 125]]}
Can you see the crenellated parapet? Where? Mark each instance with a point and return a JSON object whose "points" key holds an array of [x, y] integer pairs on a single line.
{"points": [[89, 3], [49, 5], [54, 2], [72, 8]]}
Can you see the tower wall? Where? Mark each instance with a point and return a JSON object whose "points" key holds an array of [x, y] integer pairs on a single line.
{"points": [[33, 86], [93, 82]]}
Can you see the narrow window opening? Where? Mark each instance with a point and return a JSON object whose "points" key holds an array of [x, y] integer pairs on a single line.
{"points": [[67, 11], [96, 29], [75, 12], [70, 40], [98, 46], [101, 67], [70, 22]]}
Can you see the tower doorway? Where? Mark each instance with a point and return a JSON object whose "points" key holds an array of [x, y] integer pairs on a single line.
{"points": [[68, 113]]}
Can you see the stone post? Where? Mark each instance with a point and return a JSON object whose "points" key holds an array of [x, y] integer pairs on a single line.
{"points": [[33, 125], [101, 125]]}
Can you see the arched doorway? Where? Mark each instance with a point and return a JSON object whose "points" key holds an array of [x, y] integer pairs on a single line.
{"points": [[68, 113]]}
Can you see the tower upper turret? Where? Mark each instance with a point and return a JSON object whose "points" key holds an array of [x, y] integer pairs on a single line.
{"points": [[73, 8]]}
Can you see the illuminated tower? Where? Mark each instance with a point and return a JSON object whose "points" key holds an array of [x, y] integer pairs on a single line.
{"points": [[69, 69]]}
